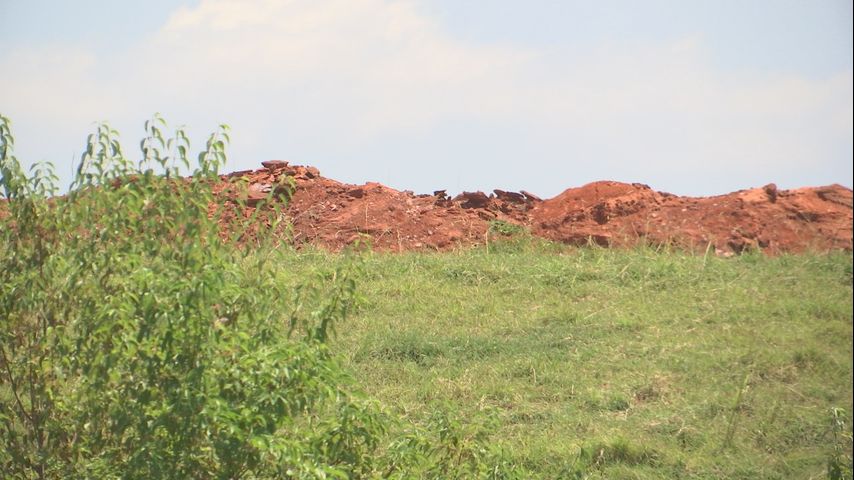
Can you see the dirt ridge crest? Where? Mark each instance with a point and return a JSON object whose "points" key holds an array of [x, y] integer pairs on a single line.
{"points": [[332, 214]]}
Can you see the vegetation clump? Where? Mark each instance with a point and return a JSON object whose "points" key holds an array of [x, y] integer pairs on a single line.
{"points": [[137, 342]]}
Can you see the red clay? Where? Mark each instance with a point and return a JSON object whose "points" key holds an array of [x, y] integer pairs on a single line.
{"points": [[332, 214]]}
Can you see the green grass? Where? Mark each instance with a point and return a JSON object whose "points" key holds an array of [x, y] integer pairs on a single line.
{"points": [[618, 364]]}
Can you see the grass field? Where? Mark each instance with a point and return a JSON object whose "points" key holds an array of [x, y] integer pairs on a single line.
{"points": [[599, 363]]}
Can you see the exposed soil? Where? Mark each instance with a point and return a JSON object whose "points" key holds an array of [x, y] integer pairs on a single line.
{"points": [[332, 214]]}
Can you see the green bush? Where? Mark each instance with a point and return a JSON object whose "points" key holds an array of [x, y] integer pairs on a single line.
{"points": [[139, 339]]}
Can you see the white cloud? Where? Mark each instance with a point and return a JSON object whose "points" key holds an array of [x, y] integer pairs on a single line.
{"points": [[657, 107], [55, 83], [364, 66]]}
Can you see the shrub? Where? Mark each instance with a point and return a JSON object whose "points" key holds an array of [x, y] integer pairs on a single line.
{"points": [[138, 341]]}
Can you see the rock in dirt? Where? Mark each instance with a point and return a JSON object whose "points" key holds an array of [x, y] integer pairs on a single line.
{"points": [[530, 196], [472, 200], [771, 191], [273, 165], [509, 197]]}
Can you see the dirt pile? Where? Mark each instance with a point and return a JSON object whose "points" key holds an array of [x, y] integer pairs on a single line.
{"points": [[333, 214], [774, 220]]}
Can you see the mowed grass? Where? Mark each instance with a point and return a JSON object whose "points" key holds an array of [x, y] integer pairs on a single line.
{"points": [[599, 363]]}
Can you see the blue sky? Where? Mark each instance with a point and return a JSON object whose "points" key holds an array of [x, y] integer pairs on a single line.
{"points": [[692, 97]]}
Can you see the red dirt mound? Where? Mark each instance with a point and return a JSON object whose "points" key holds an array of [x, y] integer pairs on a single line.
{"points": [[773, 220], [333, 215]]}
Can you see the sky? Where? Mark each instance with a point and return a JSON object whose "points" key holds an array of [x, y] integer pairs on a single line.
{"points": [[688, 96]]}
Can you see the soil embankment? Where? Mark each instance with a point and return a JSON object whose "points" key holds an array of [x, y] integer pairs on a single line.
{"points": [[332, 214]]}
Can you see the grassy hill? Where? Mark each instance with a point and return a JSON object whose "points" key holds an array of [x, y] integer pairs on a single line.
{"points": [[618, 364]]}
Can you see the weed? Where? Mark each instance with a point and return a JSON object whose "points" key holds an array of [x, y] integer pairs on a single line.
{"points": [[734, 413], [619, 450], [839, 463], [501, 227]]}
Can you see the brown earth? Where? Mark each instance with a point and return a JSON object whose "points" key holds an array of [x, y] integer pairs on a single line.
{"points": [[332, 214]]}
